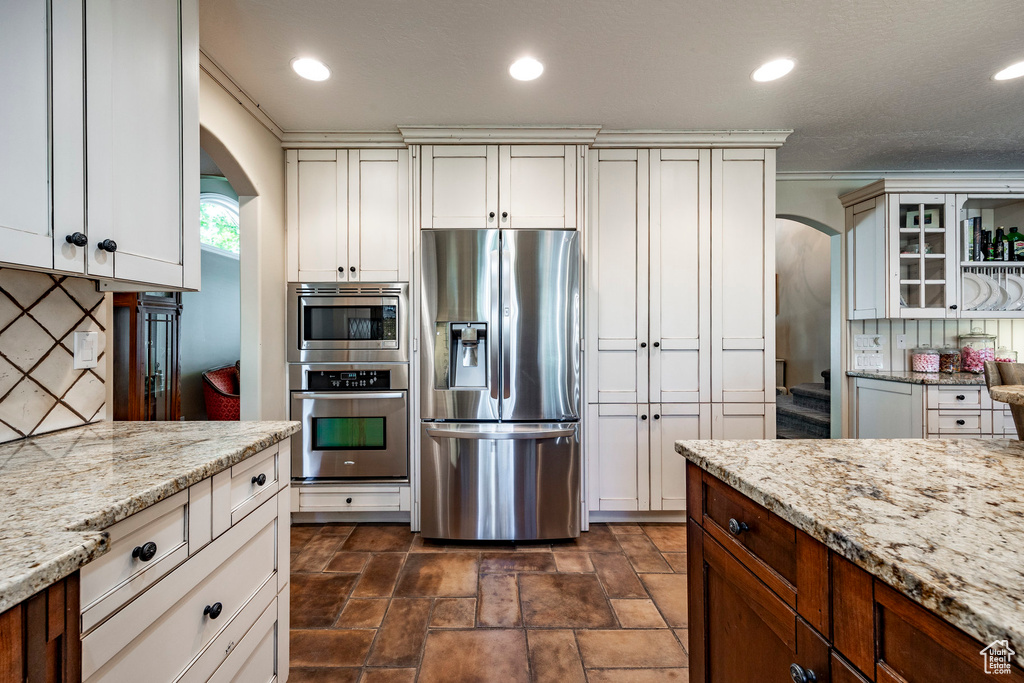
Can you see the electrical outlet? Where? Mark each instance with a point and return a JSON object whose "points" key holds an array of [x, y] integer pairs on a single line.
{"points": [[901, 341], [867, 361], [868, 341]]}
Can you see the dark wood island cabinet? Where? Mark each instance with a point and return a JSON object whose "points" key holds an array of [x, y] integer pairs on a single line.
{"points": [[39, 638], [768, 603]]}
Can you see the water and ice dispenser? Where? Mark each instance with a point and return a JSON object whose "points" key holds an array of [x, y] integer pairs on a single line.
{"points": [[463, 346]]}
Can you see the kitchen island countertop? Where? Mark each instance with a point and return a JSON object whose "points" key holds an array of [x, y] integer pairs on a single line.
{"points": [[938, 520], [61, 490]]}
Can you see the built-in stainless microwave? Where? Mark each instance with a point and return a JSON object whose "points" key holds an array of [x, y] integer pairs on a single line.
{"points": [[330, 322]]}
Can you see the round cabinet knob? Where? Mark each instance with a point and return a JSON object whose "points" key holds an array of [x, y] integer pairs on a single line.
{"points": [[144, 552], [260, 480], [961, 422], [348, 500], [107, 245], [77, 238], [736, 528], [657, 417], [643, 417], [504, 215], [643, 345], [490, 215], [953, 307], [657, 344], [213, 611], [801, 675], [352, 269], [961, 397], [341, 269]]}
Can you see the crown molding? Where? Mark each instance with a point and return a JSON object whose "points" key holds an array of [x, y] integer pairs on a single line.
{"points": [[609, 139], [870, 176], [223, 80], [354, 139], [524, 135], [947, 184]]}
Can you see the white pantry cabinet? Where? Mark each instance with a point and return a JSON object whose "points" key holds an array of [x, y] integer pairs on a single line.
{"points": [[499, 186], [349, 215], [119, 78]]}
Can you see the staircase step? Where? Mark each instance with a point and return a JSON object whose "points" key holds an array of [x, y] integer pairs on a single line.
{"points": [[812, 395], [791, 433], [811, 422]]}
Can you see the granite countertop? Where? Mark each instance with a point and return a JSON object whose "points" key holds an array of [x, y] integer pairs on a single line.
{"points": [[909, 377], [1012, 394], [938, 520], [61, 490]]}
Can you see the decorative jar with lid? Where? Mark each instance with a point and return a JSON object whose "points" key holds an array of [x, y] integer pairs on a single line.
{"points": [[1005, 355], [949, 360], [924, 359], [977, 348]]}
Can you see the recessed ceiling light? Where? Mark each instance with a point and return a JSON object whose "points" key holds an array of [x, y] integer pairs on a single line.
{"points": [[772, 70], [526, 69], [310, 68], [1012, 71]]}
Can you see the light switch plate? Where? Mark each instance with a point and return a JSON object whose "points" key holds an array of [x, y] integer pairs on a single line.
{"points": [[868, 341], [867, 361], [901, 341], [86, 349]]}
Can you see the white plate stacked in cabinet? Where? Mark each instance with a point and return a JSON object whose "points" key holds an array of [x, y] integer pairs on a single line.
{"points": [[195, 588]]}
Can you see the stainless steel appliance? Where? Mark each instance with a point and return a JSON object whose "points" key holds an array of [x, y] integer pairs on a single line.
{"points": [[354, 421], [500, 384], [330, 322]]}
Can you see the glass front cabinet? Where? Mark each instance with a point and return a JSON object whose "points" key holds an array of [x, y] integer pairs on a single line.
{"points": [[925, 248]]}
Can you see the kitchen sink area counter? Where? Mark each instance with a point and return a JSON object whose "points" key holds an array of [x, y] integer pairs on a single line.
{"points": [[910, 377], [937, 520], [61, 490]]}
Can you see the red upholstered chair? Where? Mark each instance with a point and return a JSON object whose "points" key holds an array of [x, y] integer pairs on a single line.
{"points": [[220, 393]]}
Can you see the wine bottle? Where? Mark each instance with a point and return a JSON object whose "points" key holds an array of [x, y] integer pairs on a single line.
{"points": [[986, 245], [1001, 244], [1015, 244]]}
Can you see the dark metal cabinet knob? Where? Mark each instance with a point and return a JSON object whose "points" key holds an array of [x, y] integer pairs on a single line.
{"points": [[77, 238], [643, 417], [736, 527], [490, 215], [657, 344], [213, 611], [352, 269], [657, 417], [348, 500], [260, 480], [504, 214], [961, 422], [643, 345], [107, 245], [341, 269], [144, 552], [801, 675], [961, 397], [953, 307]]}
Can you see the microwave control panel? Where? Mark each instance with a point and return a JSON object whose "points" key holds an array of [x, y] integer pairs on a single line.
{"points": [[348, 380]]}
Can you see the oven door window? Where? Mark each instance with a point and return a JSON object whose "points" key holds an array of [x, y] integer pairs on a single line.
{"points": [[349, 433], [349, 323]]}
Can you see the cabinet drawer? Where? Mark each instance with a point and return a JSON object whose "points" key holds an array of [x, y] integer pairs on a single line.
{"points": [[341, 498], [958, 422], [956, 397], [167, 627], [253, 481], [766, 536], [143, 548], [254, 659], [238, 640]]}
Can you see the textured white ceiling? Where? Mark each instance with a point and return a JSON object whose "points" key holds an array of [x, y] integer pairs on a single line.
{"points": [[879, 84]]}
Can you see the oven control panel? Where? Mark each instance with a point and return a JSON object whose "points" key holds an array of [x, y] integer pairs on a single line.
{"points": [[348, 380]]}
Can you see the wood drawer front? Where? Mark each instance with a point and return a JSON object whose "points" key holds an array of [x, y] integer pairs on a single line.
{"points": [[326, 499], [958, 422], [165, 628], [117, 577], [768, 537], [914, 646], [254, 659], [844, 672], [955, 397], [247, 493]]}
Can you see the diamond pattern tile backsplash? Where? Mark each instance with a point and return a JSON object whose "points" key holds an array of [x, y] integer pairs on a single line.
{"points": [[40, 391]]}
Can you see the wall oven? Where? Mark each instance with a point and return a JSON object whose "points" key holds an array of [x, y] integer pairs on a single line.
{"points": [[330, 322], [354, 421]]}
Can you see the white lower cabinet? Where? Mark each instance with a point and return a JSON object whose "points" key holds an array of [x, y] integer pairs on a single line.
{"points": [[742, 420], [351, 498], [885, 409], [222, 612], [633, 464]]}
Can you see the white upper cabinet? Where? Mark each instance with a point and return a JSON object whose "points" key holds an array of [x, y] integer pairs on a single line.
{"points": [[138, 117], [348, 215], [499, 186]]}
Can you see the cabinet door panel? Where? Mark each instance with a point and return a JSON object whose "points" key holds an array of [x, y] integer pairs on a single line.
{"points": [[680, 271], [323, 219], [743, 421], [865, 260], [24, 135], [619, 442], [617, 277], [537, 186], [461, 186], [675, 422], [379, 214], [134, 134], [743, 251]]}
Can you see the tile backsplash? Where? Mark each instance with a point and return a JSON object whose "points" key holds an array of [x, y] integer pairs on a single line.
{"points": [[935, 333], [39, 389]]}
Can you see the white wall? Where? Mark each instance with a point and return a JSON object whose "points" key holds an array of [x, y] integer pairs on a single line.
{"points": [[253, 161], [802, 326]]}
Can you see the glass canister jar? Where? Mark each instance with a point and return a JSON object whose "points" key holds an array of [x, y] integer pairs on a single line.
{"points": [[976, 348], [949, 360], [924, 359], [1005, 355]]}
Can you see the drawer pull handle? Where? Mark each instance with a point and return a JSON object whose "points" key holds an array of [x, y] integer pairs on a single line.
{"points": [[144, 552], [260, 480], [961, 422], [213, 611], [961, 397], [801, 675], [737, 528], [348, 500]]}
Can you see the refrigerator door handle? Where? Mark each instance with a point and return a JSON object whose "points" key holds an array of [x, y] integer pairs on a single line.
{"points": [[506, 320], [494, 351], [533, 432]]}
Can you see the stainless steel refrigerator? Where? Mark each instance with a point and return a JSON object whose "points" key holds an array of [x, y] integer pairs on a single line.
{"points": [[500, 384]]}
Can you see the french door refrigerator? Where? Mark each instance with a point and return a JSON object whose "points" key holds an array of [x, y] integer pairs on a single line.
{"points": [[500, 384]]}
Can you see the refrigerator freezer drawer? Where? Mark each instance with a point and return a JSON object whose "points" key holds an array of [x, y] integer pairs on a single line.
{"points": [[500, 482]]}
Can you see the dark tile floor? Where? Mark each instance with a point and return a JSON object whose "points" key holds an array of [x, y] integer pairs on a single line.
{"points": [[378, 604]]}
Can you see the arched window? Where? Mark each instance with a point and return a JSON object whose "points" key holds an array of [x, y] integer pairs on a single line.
{"points": [[218, 222]]}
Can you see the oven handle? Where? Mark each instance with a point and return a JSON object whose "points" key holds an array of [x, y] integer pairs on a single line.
{"points": [[534, 433], [347, 395]]}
